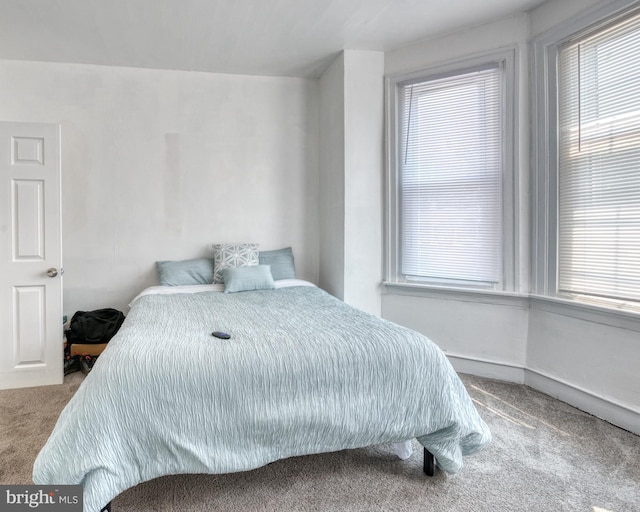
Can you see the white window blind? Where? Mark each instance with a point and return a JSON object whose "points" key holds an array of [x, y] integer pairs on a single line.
{"points": [[599, 164], [451, 177]]}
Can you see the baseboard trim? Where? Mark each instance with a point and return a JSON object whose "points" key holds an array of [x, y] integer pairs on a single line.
{"points": [[486, 368], [583, 399]]}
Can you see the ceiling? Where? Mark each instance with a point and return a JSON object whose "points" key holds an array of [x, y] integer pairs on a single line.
{"points": [[259, 37]]}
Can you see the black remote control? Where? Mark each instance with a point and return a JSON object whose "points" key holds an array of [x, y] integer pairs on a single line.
{"points": [[221, 335]]}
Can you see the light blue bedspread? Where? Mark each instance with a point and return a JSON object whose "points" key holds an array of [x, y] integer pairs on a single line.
{"points": [[302, 373]]}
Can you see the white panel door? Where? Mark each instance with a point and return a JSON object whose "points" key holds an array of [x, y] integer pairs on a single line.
{"points": [[30, 255]]}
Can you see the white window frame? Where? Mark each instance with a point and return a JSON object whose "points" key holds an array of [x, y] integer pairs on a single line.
{"points": [[544, 164], [507, 59]]}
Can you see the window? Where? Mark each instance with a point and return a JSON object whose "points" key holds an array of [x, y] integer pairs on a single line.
{"points": [[598, 165], [449, 161]]}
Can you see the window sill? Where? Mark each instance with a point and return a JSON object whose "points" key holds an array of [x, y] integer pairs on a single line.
{"points": [[599, 314], [452, 293], [612, 317]]}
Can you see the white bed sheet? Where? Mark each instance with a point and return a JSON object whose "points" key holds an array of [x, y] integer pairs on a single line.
{"points": [[199, 288]]}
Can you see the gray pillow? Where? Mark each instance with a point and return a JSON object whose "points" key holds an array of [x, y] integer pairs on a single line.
{"points": [[281, 261], [185, 272], [243, 279]]}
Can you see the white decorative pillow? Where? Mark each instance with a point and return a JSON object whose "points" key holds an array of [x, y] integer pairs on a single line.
{"points": [[232, 256]]}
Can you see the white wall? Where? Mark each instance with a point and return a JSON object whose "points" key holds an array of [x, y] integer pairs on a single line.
{"points": [[331, 178], [351, 135], [364, 128], [432, 52], [590, 363], [589, 360], [159, 164], [481, 328], [552, 12]]}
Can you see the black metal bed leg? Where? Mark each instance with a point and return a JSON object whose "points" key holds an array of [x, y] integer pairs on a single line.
{"points": [[106, 508], [429, 463]]}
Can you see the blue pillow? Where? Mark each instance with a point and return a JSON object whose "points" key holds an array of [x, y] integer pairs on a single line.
{"points": [[281, 261], [185, 272], [251, 277]]}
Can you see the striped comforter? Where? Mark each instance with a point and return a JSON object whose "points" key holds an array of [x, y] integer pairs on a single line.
{"points": [[302, 373]]}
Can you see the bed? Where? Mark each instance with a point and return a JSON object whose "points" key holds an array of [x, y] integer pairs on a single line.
{"points": [[301, 373]]}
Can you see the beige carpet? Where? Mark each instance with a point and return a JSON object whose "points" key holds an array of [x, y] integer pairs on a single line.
{"points": [[546, 456]]}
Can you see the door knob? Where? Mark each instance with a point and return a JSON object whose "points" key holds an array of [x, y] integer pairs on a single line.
{"points": [[52, 272]]}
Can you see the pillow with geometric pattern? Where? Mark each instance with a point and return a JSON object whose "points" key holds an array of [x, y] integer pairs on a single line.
{"points": [[231, 256]]}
